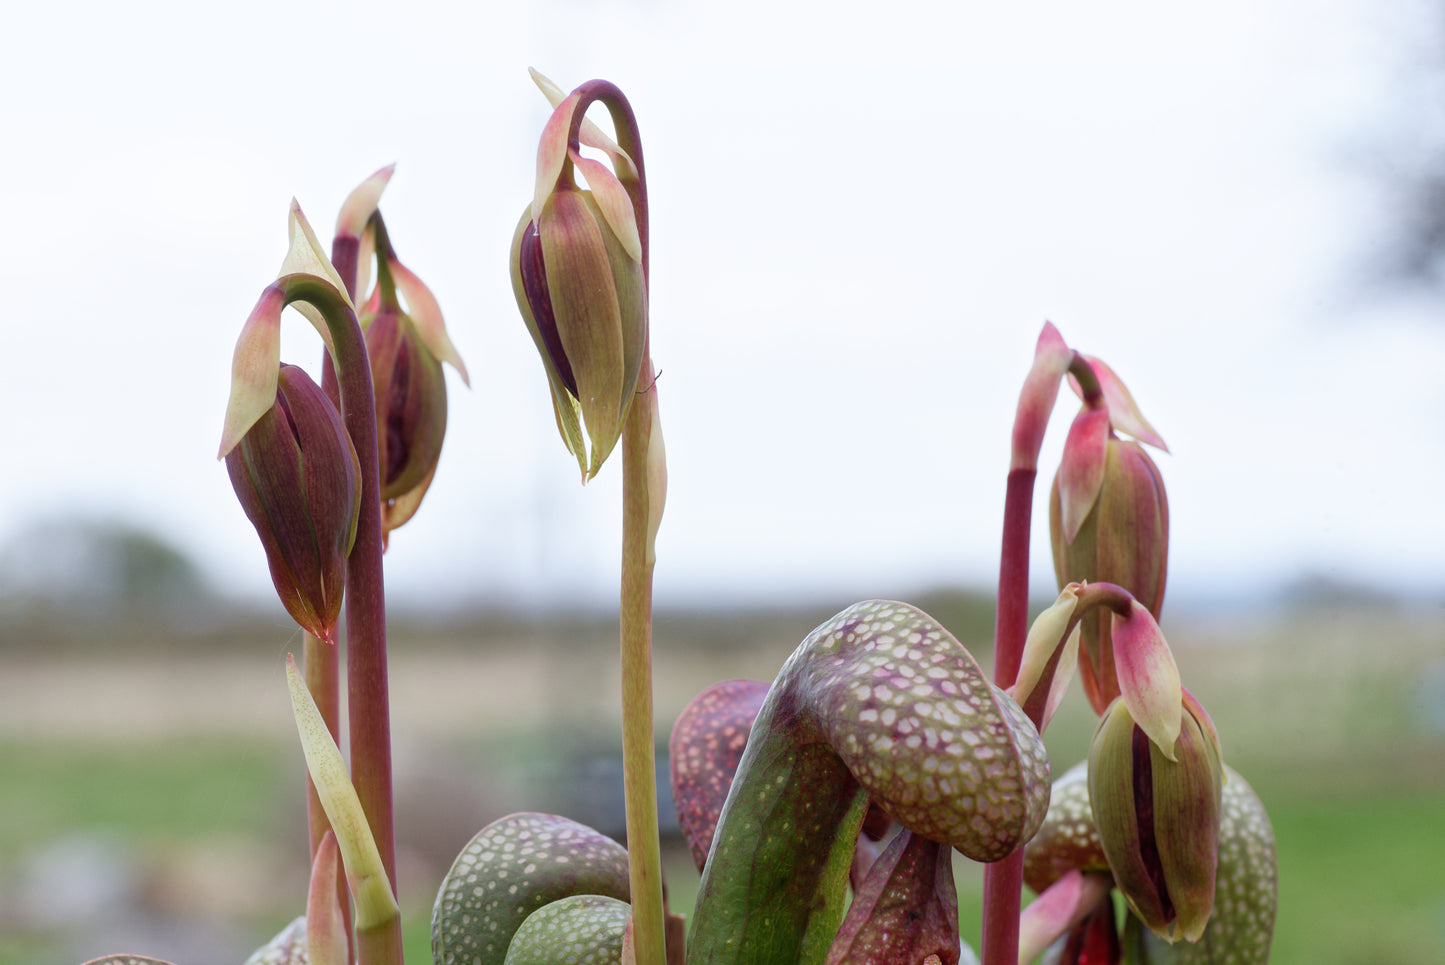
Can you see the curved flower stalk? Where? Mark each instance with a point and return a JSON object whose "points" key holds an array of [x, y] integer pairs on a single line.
{"points": [[1142, 661], [309, 281], [579, 266], [1109, 517], [1154, 764], [1053, 359], [878, 703]]}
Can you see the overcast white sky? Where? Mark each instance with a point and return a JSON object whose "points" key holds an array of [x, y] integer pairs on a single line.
{"points": [[859, 225]]}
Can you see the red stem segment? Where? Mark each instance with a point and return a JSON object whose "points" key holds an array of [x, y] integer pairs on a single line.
{"points": [[368, 704], [1003, 880]]}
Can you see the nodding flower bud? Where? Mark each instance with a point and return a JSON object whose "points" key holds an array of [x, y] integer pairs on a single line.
{"points": [[1159, 819], [578, 277], [1109, 523], [297, 477], [411, 405], [406, 350]]}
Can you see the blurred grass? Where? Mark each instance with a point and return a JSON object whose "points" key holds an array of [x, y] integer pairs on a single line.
{"points": [[154, 792], [1326, 717]]}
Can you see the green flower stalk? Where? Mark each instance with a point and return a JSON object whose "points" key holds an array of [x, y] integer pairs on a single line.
{"points": [[579, 266]]}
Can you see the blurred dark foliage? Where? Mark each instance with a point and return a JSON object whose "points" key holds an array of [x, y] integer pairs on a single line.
{"points": [[1408, 161]]}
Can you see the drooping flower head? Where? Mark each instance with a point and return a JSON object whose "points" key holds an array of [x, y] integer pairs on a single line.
{"points": [[297, 477], [1109, 519], [579, 276], [406, 345], [291, 461]]}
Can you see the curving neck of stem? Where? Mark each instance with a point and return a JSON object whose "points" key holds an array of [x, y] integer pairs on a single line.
{"points": [[384, 256], [628, 138], [1083, 373]]}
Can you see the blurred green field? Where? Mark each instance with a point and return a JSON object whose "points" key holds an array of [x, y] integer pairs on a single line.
{"points": [[1333, 722]]}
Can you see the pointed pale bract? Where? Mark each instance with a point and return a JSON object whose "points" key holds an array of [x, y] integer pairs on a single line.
{"points": [[1148, 677], [426, 315], [255, 367], [1036, 400], [1051, 648], [552, 154], [589, 133], [305, 256], [614, 203], [656, 465], [375, 899], [359, 205], [1081, 468], [1124, 414], [326, 942], [1062, 905], [395, 513]]}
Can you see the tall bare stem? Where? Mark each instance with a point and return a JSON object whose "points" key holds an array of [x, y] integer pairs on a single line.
{"points": [[1003, 880], [638, 760], [368, 703]]}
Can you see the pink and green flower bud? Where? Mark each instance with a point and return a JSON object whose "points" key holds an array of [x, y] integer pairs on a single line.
{"points": [[1246, 895], [1158, 819], [1109, 523], [578, 278], [1124, 414], [297, 477]]}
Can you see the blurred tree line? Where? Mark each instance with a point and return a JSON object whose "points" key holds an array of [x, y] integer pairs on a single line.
{"points": [[1408, 161]]}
